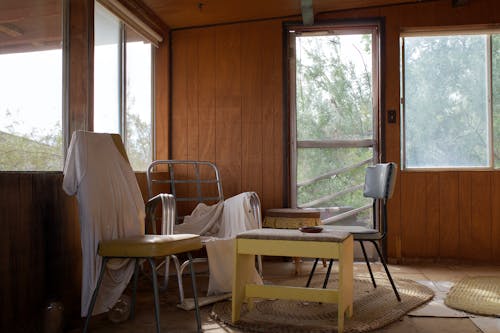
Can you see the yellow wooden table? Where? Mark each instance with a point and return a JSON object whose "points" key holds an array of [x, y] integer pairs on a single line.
{"points": [[291, 218], [293, 243]]}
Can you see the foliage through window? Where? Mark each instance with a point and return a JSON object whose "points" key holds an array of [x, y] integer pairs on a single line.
{"points": [[451, 113], [122, 86], [333, 125], [31, 90]]}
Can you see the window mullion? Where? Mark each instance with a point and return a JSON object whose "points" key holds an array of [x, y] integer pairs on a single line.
{"points": [[402, 106], [123, 83], [293, 118], [489, 69]]}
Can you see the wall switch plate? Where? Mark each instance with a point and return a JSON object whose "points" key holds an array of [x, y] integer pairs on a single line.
{"points": [[391, 116]]}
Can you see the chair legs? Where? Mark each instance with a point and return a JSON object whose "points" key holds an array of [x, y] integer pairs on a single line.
{"points": [[195, 293], [368, 263], [387, 271], [382, 260], [327, 277], [312, 272], [134, 289], [155, 292], [94, 295]]}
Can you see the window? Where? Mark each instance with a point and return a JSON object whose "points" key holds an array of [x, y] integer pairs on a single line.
{"points": [[123, 86], [451, 118], [31, 86], [334, 107]]}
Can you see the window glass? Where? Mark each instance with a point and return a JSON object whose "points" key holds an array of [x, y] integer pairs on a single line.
{"points": [[334, 87], [138, 101], [107, 73], [31, 87], [446, 110], [334, 104], [123, 86]]}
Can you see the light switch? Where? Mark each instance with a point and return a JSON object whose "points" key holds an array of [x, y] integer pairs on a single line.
{"points": [[391, 116]]}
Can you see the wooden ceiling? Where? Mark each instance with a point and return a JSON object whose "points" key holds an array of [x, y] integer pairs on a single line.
{"points": [[190, 13], [28, 25]]}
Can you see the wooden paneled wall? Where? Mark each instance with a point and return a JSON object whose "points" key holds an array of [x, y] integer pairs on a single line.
{"points": [[227, 104], [40, 249], [227, 108]]}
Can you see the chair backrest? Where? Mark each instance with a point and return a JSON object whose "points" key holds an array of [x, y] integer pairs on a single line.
{"points": [[380, 180], [117, 140], [190, 182]]}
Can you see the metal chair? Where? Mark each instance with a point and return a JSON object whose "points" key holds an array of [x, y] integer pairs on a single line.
{"points": [[380, 180], [191, 183], [123, 190]]}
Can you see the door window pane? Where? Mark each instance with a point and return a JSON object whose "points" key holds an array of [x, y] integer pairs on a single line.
{"points": [[334, 87], [319, 184], [334, 110]]}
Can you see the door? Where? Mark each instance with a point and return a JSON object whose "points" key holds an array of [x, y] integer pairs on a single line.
{"points": [[334, 108]]}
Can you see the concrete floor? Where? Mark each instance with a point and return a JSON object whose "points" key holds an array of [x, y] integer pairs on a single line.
{"points": [[439, 277]]}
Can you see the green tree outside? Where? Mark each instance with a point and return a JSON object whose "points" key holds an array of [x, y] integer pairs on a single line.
{"points": [[333, 102]]}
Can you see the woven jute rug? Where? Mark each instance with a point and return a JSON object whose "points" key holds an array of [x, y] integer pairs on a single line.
{"points": [[479, 295], [373, 308]]}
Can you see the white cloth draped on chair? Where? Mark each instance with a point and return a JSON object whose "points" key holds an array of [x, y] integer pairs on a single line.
{"points": [[83, 176], [221, 223]]}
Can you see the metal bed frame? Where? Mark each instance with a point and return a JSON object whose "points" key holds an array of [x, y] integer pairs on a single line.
{"points": [[204, 176]]}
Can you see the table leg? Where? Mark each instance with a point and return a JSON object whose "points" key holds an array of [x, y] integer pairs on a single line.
{"points": [[298, 267], [242, 270]]}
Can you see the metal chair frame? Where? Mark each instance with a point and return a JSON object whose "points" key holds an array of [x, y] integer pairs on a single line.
{"points": [[380, 197], [167, 226], [168, 214], [152, 263]]}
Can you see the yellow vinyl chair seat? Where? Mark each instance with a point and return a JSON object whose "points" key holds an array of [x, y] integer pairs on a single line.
{"points": [[149, 246]]}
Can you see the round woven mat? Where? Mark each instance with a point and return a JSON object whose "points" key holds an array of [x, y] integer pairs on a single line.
{"points": [[373, 308], [479, 295]]}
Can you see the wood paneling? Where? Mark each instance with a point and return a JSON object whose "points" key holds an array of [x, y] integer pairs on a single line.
{"points": [[495, 215], [413, 213], [226, 104], [227, 107], [162, 97], [448, 215], [251, 129], [40, 250], [480, 233], [228, 123], [40, 243]]}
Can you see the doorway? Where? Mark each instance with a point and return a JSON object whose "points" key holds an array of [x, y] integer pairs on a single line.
{"points": [[334, 104]]}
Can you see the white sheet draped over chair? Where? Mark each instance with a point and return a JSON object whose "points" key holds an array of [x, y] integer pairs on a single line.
{"points": [[220, 223], [88, 153]]}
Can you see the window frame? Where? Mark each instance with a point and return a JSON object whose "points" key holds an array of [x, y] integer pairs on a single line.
{"points": [[122, 77], [450, 31]]}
